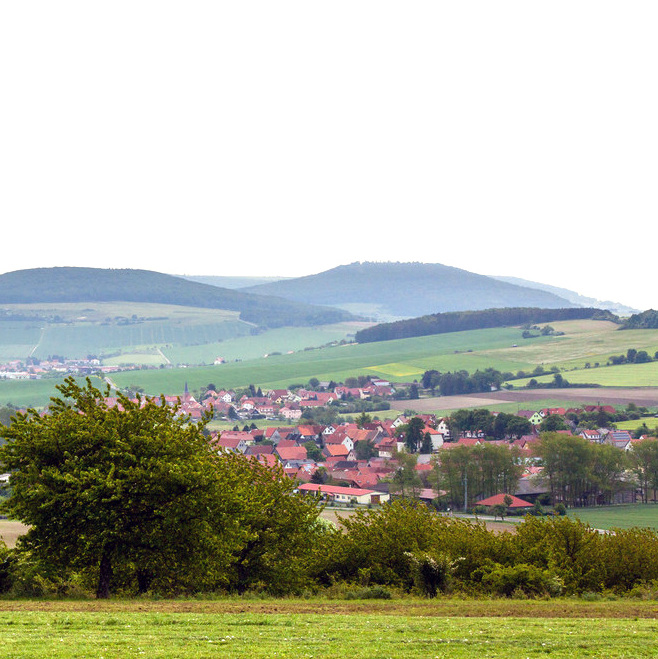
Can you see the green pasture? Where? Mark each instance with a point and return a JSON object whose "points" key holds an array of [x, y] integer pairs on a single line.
{"points": [[508, 408], [621, 517], [387, 359], [622, 375], [366, 632], [138, 356]]}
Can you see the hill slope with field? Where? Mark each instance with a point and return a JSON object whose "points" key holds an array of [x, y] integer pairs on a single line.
{"points": [[580, 352], [388, 291], [72, 285]]}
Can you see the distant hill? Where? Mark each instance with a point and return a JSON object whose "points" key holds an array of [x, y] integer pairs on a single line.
{"points": [[575, 298], [99, 285], [391, 291], [230, 282]]}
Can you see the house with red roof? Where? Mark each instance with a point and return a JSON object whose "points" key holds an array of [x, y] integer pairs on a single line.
{"points": [[288, 453], [345, 494], [499, 500]]}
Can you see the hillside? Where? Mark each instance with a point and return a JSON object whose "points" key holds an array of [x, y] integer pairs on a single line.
{"points": [[460, 321], [617, 308], [71, 285], [391, 291]]}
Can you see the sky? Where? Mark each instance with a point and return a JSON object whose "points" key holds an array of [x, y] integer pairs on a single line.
{"points": [[287, 138]]}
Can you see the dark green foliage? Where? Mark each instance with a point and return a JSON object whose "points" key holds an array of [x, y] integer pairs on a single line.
{"points": [[519, 579], [580, 472], [406, 546], [645, 320], [135, 498], [459, 321]]}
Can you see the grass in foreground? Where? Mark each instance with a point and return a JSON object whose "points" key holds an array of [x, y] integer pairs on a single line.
{"points": [[296, 629]]}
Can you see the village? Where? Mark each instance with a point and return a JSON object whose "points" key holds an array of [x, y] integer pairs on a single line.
{"points": [[355, 462]]}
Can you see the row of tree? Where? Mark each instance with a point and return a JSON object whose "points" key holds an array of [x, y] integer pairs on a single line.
{"points": [[582, 473]]}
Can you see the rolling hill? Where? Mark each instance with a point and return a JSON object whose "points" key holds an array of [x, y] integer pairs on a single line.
{"points": [[392, 291], [75, 285]]}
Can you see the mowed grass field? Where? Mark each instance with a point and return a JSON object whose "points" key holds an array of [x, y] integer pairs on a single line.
{"points": [[336, 629]]}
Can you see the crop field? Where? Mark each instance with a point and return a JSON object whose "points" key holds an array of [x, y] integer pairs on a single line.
{"points": [[385, 359], [296, 629], [76, 330], [282, 340]]}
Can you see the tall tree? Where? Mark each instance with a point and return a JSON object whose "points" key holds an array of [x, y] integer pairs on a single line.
{"points": [[129, 486]]}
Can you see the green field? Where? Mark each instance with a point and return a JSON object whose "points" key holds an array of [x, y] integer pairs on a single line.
{"points": [[621, 517], [403, 360], [332, 629], [407, 359], [282, 340]]}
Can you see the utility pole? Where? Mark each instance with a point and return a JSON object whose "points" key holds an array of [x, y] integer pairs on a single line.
{"points": [[465, 490]]}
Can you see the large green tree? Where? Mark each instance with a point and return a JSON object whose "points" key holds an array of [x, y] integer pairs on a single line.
{"points": [[126, 489], [135, 496]]}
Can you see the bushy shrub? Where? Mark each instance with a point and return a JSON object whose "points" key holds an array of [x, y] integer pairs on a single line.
{"points": [[431, 572], [520, 579]]}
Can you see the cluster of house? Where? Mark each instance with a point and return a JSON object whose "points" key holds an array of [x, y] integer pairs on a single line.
{"points": [[304, 450], [619, 438], [18, 369], [276, 403]]}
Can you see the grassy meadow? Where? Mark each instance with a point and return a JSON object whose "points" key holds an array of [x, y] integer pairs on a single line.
{"points": [[296, 629]]}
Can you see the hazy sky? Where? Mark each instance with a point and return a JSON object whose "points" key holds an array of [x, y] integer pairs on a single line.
{"points": [[286, 138]]}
